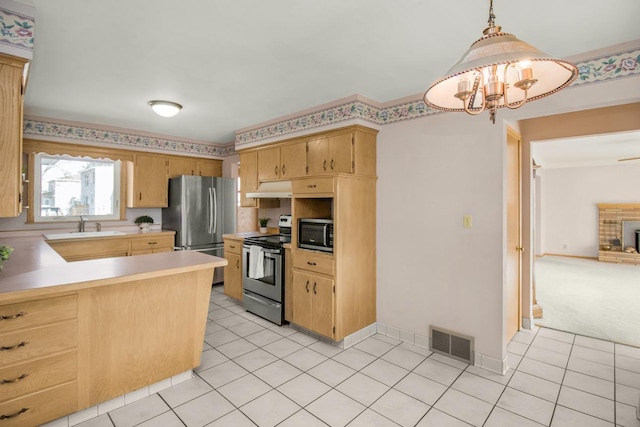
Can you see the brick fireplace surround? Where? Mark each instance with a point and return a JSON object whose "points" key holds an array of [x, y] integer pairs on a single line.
{"points": [[610, 223]]}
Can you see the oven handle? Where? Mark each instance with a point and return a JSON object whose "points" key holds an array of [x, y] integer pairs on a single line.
{"points": [[267, 251], [270, 304]]}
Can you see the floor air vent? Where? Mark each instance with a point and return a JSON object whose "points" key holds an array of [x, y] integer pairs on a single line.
{"points": [[451, 344]]}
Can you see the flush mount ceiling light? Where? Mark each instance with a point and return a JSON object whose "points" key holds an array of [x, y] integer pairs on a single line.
{"points": [[498, 71], [165, 108]]}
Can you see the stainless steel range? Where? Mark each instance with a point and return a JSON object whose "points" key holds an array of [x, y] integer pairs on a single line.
{"points": [[263, 273]]}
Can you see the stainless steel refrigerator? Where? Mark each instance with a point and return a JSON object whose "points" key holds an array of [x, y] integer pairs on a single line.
{"points": [[201, 209]]}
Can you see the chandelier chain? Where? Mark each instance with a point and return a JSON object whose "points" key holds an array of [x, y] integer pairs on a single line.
{"points": [[492, 17]]}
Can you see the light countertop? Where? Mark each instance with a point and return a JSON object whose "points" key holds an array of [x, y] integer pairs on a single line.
{"points": [[35, 267]]}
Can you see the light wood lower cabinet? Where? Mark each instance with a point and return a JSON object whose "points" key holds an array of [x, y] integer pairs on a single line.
{"points": [[313, 303], [152, 244], [39, 362], [115, 246], [121, 337], [37, 408], [233, 270]]}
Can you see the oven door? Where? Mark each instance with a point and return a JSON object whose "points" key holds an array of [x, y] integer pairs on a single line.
{"points": [[271, 284]]}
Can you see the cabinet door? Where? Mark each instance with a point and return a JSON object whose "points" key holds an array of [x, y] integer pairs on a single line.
{"points": [[318, 156], [233, 276], [269, 164], [293, 160], [210, 167], [322, 310], [150, 182], [248, 177], [301, 296], [178, 166], [341, 153], [11, 136]]}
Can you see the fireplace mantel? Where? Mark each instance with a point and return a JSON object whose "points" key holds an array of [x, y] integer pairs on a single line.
{"points": [[611, 237]]}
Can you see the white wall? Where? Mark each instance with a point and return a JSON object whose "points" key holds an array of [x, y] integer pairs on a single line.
{"points": [[432, 271], [569, 198]]}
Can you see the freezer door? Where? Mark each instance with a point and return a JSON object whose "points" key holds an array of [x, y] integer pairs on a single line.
{"points": [[226, 201]]}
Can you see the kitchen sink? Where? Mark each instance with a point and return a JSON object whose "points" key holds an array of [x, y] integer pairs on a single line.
{"points": [[84, 234]]}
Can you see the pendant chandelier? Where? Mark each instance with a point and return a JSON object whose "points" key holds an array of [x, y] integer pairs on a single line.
{"points": [[499, 70]]}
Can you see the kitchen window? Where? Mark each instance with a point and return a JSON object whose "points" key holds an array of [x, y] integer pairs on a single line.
{"points": [[67, 187]]}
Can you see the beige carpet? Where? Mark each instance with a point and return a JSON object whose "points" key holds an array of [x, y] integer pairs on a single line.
{"points": [[588, 297]]}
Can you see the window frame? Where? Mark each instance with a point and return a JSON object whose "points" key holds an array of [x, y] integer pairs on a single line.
{"points": [[35, 181]]}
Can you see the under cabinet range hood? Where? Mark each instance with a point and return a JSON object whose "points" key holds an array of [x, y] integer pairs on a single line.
{"points": [[272, 190]]}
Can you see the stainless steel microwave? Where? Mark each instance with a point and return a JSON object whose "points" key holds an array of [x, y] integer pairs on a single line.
{"points": [[315, 234]]}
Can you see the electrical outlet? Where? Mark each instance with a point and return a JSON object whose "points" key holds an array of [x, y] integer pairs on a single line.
{"points": [[467, 221]]}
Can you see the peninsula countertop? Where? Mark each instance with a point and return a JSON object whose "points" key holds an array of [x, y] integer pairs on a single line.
{"points": [[35, 268]]}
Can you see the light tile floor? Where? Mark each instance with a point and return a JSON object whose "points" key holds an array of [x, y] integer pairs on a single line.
{"points": [[254, 373]]}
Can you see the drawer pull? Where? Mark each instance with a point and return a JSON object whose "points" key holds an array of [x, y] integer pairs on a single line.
{"points": [[152, 243], [13, 316], [311, 263], [237, 263], [15, 380], [15, 414], [311, 186], [232, 247], [307, 287], [314, 287], [331, 164], [13, 347]]}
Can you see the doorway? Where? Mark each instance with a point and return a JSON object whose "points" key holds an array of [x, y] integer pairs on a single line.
{"points": [[602, 121]]}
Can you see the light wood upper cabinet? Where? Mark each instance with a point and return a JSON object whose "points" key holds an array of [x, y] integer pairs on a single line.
{"points": [[148, 182], [194, 166], [248, 177], [331, 155], [11, 101], [293, 160], [268, 164], [182, 166], [209, 167]]}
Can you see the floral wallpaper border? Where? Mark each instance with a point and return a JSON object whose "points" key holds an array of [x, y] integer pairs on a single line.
{"points": [[595, 70], [612, 66], [34, 128], [16, 30]]}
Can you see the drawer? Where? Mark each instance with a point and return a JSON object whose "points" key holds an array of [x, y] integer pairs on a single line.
{"points": [[233, 247], [312, 186], [311, 262], [38, 408], [28, 377], [36, 313], [152, 242], [25, 344]]}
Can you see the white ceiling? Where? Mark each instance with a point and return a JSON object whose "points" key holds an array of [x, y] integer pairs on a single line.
{"points": [[597, 150], [237, 63]]}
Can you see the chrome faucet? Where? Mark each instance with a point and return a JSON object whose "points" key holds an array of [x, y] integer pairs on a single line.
{"points": [[81, 224]]}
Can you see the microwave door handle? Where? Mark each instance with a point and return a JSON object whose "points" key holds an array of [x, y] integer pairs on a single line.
{"points": [[325, 236]]}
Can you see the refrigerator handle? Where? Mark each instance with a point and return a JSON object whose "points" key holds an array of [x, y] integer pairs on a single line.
{"points": [[210, 211], [215, 210]]}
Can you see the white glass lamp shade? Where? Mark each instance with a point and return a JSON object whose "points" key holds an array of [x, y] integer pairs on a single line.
{"points": [[165, 108], [500, 50]]}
